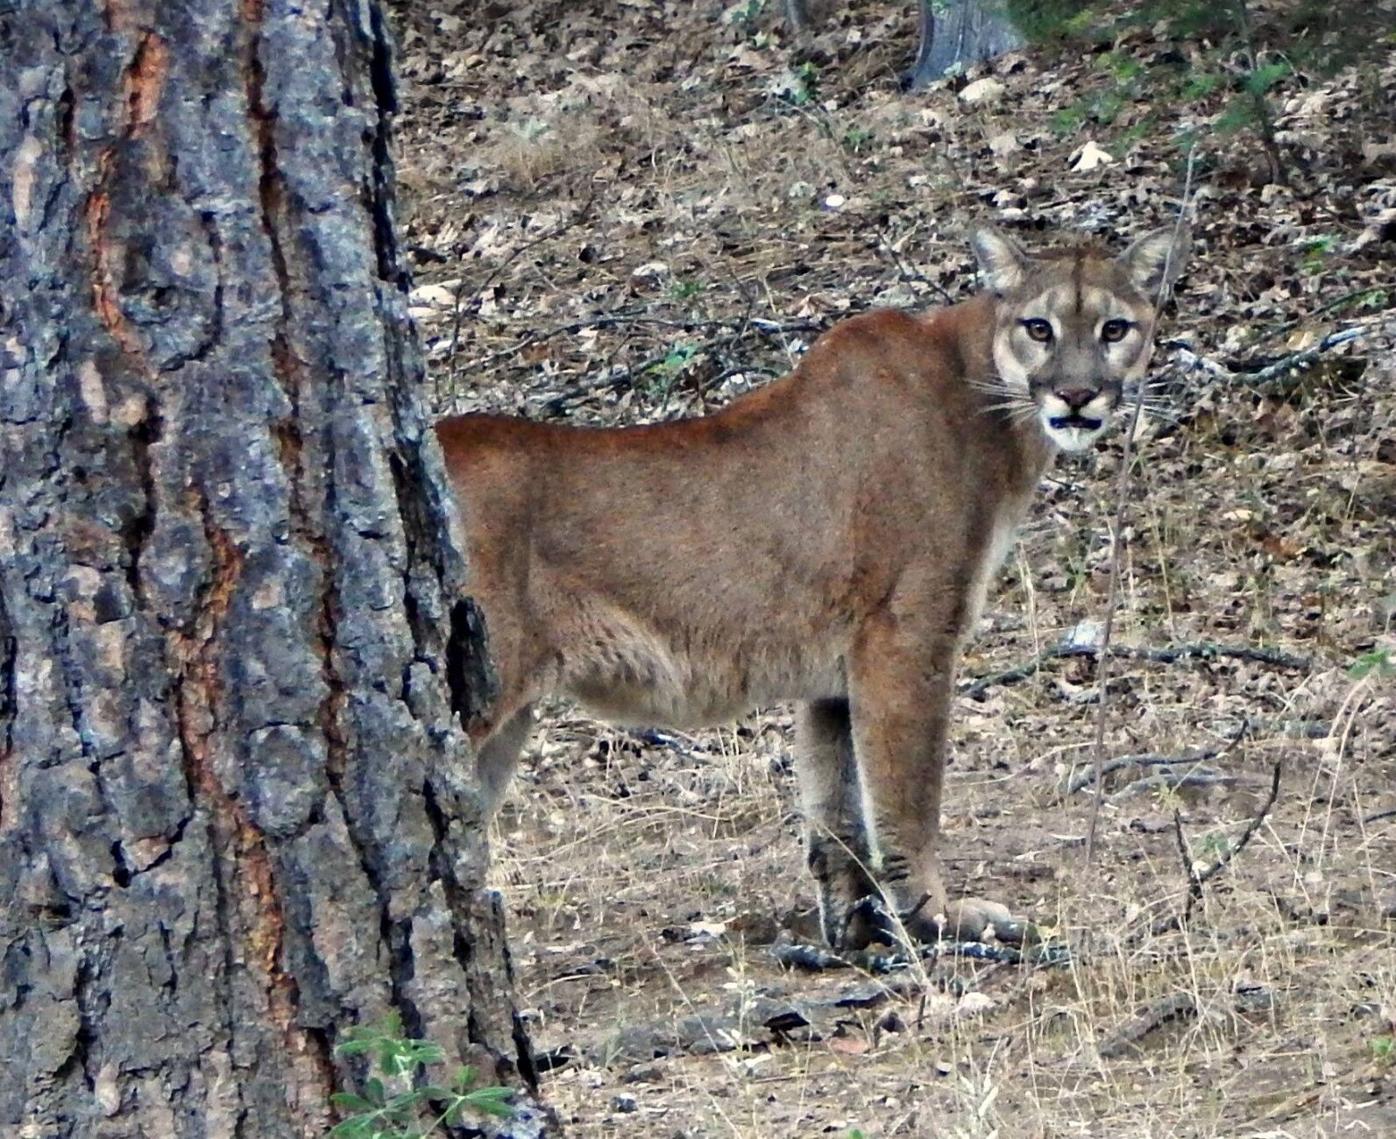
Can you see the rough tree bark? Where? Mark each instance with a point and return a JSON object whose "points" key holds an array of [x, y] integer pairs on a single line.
{"points": [[234, 812]]}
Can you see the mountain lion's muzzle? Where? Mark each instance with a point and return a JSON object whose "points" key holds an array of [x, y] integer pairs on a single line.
{"points": [[1073, 413]]}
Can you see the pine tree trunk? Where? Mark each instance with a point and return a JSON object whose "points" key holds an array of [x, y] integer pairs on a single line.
{"points": [[957, 33], [235, 812], [953, 34]]}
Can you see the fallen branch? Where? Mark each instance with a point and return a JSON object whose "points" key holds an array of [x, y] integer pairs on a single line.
{"points": [[909, 275], [1196, 776], [1259, 373], [1245, 998], [1172, 781], [1080, 780], [1155, 1015], [815, 958], [1199, 877], [1365, 293], [1168, 655], [1295, 360]]}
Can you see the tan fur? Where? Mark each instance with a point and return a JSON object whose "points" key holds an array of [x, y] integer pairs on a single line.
{"points": [[826, 540]]}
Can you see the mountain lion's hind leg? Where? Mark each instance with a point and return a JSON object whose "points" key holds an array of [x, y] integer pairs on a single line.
{"points": [[836, 839]]}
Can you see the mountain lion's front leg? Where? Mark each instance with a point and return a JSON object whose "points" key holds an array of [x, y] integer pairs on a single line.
{"points": [[901, 676], [836, 836]]}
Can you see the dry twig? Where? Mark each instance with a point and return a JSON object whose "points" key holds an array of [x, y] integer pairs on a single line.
{"points": [[1263, 373], [1080, 780], [1077, 781], [1122, 497], [1287, 364], [1169, 654], [1199, 877], [1155, 1015], [578, 216]]}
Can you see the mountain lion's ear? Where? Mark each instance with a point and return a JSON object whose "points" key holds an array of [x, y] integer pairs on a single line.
{"points": [[1001, 259], [1156, 259]]}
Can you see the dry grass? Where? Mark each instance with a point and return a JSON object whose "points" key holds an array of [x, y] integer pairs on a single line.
{"points": [[613, 854], [646, 879]]}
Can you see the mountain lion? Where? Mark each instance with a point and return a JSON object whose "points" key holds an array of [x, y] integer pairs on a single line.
{"points": [[827, 539]]}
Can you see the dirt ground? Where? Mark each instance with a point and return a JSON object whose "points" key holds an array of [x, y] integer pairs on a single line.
{"points": [[637, 210]]}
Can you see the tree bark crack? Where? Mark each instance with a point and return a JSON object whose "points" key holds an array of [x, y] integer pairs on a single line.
{"points": [[92, 1003], [9, 706], [457, 897], [255, 916], [143, 81], [391, 267], [137, 529]]}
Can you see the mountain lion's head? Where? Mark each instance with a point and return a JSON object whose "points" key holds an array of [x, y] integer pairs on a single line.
{"points": [[1074, 326]]}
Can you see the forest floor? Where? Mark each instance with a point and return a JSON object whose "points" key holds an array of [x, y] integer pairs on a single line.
{"points": [[632, 210]]}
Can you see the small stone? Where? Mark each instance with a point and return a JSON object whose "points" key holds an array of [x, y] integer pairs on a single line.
{"points": [[1089, 157], [1004, 144], [625, 1104], [986, 90], [643, 1074], [973, 1004]]}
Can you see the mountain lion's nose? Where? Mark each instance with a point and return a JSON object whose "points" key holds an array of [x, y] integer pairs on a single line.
{"points": [[1075, 398]]}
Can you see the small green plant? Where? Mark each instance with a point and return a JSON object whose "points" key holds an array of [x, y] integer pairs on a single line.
{"points": [[1125, 68], [686, 290], [1316, 249], [1106, 106], [1378, 664], [1138, 132], [1384, 1049], [746, 16], [1215, 846], [678, 358], [1239, 55], [396, 1102], [1068, 119], [1201, 84], [855, 138], [530, 130], [659, 377], [1056, 21], [808, 75], [799, 85]]}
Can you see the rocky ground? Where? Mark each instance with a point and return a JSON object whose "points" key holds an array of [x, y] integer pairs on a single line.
{"points": [[637, 210]]}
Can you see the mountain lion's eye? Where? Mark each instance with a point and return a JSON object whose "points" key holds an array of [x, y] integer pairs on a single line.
{"points": [[1113, 331], [1039, 329]]}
